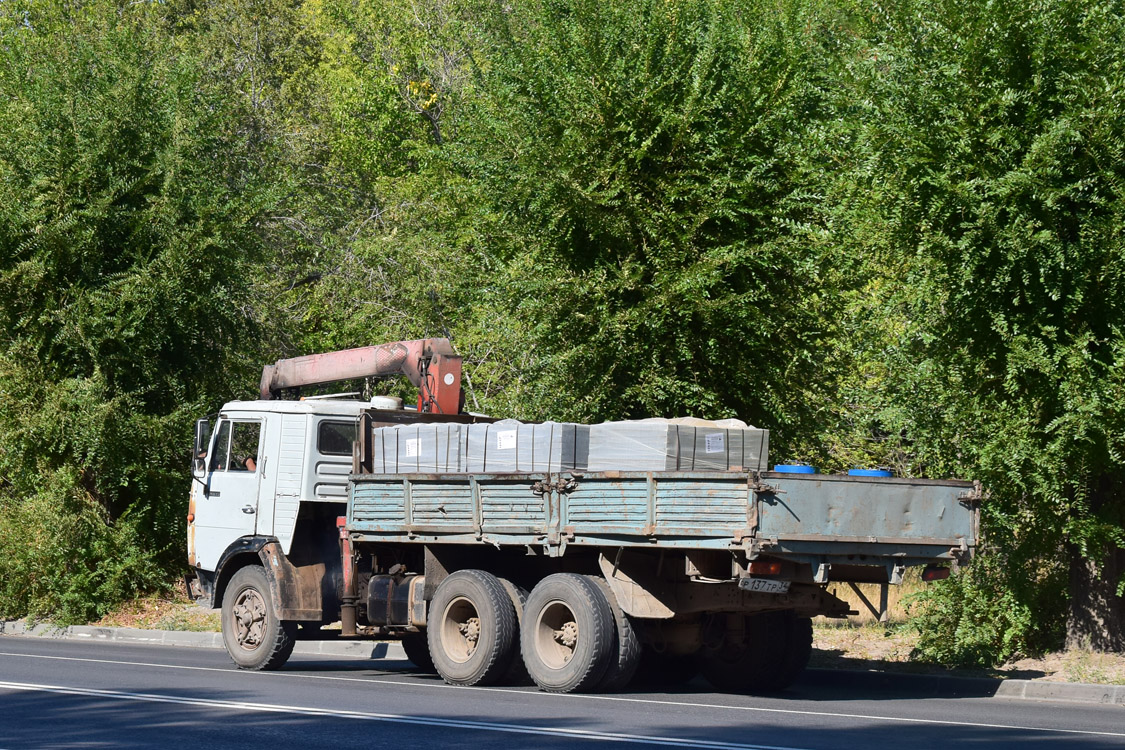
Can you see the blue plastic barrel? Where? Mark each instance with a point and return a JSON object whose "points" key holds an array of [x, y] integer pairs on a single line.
{"points": [[869, 473], [794, 468]]}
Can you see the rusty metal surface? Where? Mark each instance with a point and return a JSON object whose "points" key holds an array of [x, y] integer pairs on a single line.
{"points": [[295, 590], [865, 510], [431, 364], [803, 518]]}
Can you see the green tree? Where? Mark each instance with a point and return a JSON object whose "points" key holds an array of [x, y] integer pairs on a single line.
{"points": [[989, 203], [649, 177], [126, 227]]}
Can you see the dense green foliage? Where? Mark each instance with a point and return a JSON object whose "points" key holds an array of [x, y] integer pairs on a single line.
{"points": [[651, 196], [125, 300], [892, 234], [992, 181]]}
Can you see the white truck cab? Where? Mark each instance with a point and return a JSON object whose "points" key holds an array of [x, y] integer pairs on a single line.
{"points": [[261, 462]]}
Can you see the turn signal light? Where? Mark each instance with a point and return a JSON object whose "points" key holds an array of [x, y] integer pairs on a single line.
{"points": [[190, 517], [935, 573], [765, 567]]}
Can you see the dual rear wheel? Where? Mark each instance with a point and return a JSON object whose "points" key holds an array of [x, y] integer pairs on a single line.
{"points": [[569, 634], [767, 654]]}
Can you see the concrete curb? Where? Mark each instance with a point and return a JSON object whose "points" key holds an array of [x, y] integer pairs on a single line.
{"points": [[1071, 692], [893, 682], [950, 686], [183, 638]]}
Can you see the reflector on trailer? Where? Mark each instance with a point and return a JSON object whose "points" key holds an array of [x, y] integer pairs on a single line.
{"points": [[765, 567], [935, 573]]}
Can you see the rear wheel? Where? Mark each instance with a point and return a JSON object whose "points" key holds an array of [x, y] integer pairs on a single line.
{"points": [[516, 673], [567, 634], [252, 634], [767, 655], [798, 649], [471, 629], [417, 650], [626, 650]]}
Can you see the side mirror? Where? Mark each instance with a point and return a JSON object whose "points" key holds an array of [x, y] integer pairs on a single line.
{"points": [[199, 451]]}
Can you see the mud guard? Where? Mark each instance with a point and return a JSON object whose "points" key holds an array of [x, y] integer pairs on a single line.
{"points": [[295, 591]]}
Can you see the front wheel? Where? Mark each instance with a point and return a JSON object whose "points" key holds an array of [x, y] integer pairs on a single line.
{"points": [[252, 634]]}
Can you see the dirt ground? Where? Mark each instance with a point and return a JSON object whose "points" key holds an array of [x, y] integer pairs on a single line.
{"points": [[863, 645], [875, 647]]}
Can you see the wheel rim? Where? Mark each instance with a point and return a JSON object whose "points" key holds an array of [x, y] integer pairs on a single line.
{"points": [[249, 613], [460, 629], [556, 634]]}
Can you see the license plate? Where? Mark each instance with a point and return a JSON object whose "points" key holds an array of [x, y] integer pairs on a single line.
{"points": [[764, 585]]}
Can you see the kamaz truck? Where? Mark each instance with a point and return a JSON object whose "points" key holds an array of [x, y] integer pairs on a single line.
{"points": [[565, 577]]}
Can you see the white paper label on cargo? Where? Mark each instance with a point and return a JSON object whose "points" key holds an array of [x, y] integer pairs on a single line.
{"points": [[505, 440], [412, 448], [713, 443]]}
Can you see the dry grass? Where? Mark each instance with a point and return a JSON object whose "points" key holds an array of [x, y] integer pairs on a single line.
{"points": [[896, 598], [173, 612], [871, 646]]}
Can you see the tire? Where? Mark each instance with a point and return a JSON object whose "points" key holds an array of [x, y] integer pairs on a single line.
{"points": [[417, 650], [471, 628], [252, 634], [798, 649], [516, 673], [626, 649], [567, 634], [752, 663]]}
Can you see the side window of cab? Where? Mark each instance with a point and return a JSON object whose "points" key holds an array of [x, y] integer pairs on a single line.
{"points": [[335, 438], [236, 446]]}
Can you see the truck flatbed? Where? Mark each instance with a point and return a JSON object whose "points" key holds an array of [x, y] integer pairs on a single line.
{"points": [[811, 518]]}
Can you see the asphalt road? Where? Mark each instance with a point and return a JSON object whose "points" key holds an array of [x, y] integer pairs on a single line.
{"points": [[66, 694]]}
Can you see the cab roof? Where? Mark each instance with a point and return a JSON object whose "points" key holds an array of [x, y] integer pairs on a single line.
{"points": [[328, 406]]}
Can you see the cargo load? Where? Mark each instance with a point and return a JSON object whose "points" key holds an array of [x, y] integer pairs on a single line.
{"points": [[417, 449], [685, 444], [513, 446]]}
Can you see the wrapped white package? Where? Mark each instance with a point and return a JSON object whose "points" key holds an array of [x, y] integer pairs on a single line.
{"points": [[512, 446], [417, 449], [685, 444]]}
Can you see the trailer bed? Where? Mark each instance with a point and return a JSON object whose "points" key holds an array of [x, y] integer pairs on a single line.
{"points": [[816, 519]]}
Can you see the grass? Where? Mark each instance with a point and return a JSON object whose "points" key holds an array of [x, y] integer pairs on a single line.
{"points": [[173, 611]]}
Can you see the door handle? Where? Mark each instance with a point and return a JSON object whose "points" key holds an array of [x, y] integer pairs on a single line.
{"points": [[212, 493], [248, 509]]}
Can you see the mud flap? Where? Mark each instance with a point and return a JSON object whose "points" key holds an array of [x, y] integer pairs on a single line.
{"points": [[295, 591]]}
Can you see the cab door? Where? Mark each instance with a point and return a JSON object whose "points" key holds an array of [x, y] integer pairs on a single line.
{"points": [[226, 507]]}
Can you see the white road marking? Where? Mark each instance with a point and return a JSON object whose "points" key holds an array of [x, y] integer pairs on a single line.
{"points": [[426, 721], [576, 696]]}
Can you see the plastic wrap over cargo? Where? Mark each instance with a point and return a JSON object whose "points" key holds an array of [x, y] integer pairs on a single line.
{"points": [[686, 444], [417, 449], [511, 446]]}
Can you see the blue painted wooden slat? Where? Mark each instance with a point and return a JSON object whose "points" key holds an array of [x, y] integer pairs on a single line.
{"points": [[803, 515]]}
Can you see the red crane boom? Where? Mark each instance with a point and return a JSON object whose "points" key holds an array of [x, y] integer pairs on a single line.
{"points": [[431, 364]]}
